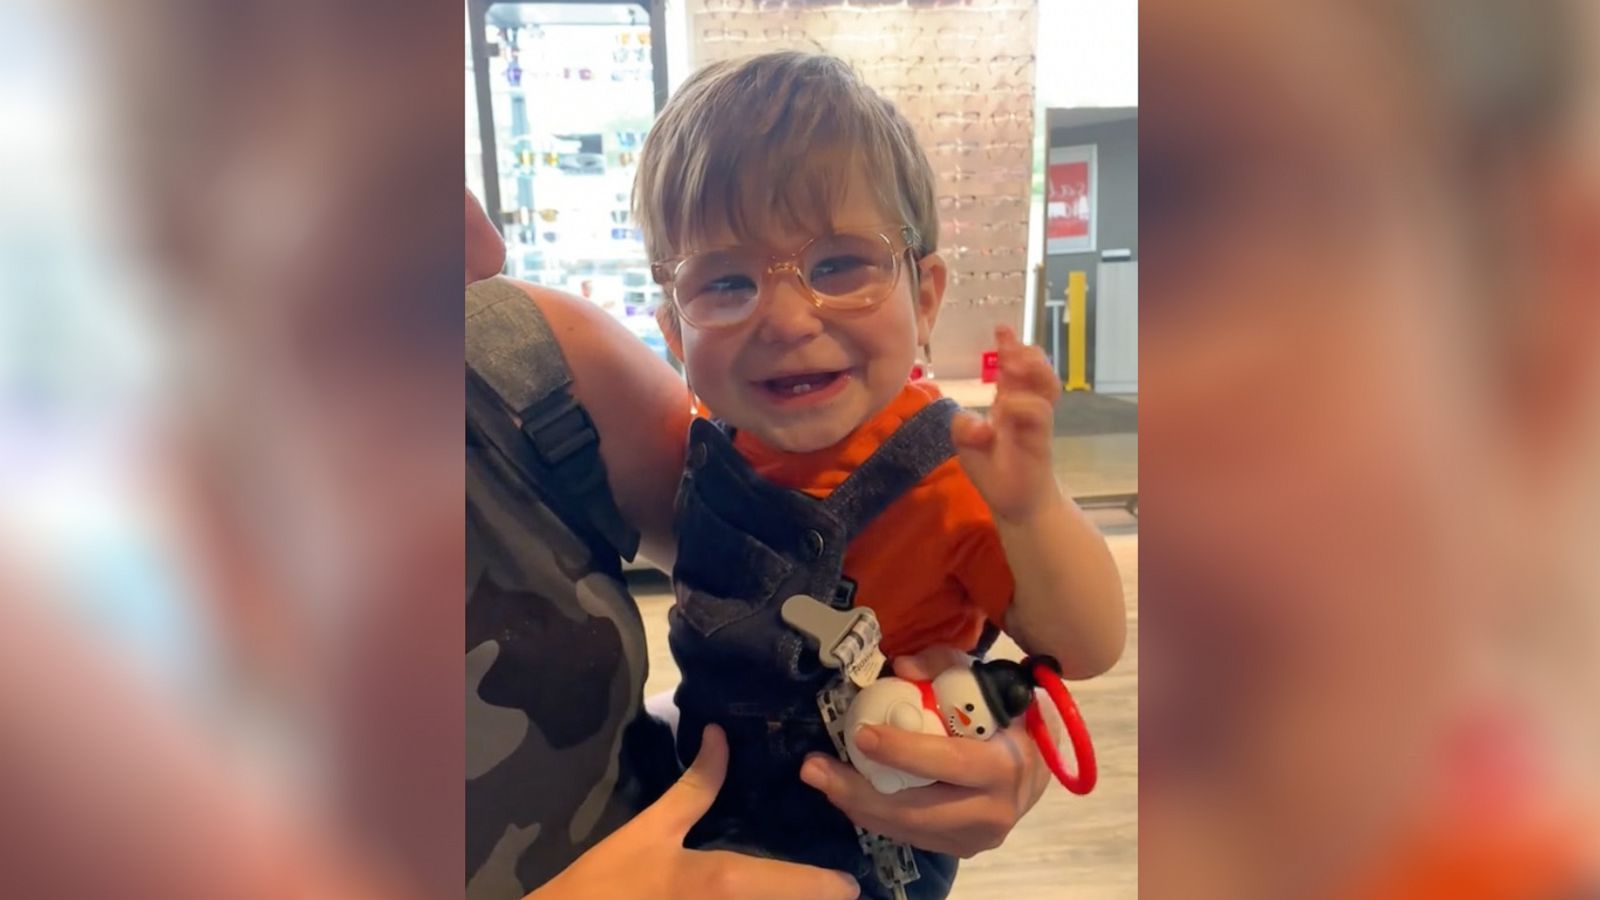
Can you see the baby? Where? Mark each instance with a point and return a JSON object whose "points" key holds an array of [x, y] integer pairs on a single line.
{"points": [[789, 213]]}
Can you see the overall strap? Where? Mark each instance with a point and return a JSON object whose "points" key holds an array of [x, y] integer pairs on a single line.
{"points": [[915, 449], [515, 363]]}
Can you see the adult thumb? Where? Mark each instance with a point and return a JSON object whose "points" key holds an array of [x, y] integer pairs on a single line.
{"points": [[685, 802]]}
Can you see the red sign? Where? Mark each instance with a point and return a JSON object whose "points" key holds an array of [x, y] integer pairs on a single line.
{"points": [[1067, 203]]}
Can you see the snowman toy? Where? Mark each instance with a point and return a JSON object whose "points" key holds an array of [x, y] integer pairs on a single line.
{"points": [[975, 702]]}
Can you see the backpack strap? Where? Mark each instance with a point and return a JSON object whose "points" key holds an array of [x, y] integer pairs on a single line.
{"points": [[916, 448], [519, 401]]}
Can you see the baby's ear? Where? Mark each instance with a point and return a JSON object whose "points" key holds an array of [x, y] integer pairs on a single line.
{"points": [[667, 321], [930, 282]]}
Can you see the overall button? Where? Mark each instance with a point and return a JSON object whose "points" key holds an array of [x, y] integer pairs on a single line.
{"points": [[697, 456], [814, 545]]}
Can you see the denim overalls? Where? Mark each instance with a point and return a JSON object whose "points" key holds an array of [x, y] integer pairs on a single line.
{"points": [[745, 546]]}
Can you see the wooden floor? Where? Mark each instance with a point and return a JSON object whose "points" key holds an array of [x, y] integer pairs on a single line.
{"points": [[1084, 848], [1068, 846]]}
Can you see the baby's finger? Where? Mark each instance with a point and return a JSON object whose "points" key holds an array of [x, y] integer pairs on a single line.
{"points": [[969, 430], [1023, 413], [1005, 339], [1005, 345], [1040, 374]]}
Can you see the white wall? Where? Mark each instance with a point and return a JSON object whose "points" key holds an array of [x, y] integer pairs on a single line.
{"points": [[1088, 53], [1088, 56]]}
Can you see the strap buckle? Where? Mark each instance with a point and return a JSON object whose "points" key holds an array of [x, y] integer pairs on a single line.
{"points": [[562, 432]]}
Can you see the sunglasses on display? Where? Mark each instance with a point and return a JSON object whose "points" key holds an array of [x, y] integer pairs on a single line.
{"points": [[895, 63], [1007, 118], [994, 98], [883, 34], [988, 300], [972, 201], [1022, 8], [715, 35], [970, 226], [787, 33], [986, 277], [969, 120], [948, 43], [997, 62], [619, 216], [996, 150], [961, 252], [549, 215], [912, 89], [1006, 71], [550, 237], [999, 174]]}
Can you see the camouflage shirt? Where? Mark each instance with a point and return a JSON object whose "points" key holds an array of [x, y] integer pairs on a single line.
{"points": [[559, 750]]}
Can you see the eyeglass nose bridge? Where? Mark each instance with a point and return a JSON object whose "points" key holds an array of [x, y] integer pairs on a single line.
{"points": [[790, 265]]}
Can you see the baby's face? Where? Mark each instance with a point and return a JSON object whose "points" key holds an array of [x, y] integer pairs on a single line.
{"points": [[801, 378]]}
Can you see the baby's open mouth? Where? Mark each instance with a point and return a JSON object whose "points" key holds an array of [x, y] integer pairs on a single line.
{"points": [[800, 385]]}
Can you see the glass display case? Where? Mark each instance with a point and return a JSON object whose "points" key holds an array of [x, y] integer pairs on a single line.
{"points": [[562, 94]]}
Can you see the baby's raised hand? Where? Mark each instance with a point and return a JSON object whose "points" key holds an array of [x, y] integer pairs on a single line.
{"points": [[1007, 454]]}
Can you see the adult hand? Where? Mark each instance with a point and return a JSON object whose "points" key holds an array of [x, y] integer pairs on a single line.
{"points": [[981, 790], [645, 858]]}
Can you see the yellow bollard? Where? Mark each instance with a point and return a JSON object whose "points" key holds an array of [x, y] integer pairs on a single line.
{"points": [[1077, 331]]}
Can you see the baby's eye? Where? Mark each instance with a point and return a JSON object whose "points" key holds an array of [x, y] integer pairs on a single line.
{"points": [[835, 265], [729, 283]]}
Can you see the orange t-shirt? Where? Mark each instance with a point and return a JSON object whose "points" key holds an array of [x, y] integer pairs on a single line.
{"points": [[930, 566]]}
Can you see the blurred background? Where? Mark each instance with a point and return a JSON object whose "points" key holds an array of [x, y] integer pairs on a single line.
{"points": [[1370, 342], [230, 542]]}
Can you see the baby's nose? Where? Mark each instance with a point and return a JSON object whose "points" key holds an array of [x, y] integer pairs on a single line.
{"points": [[789, 315]]}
